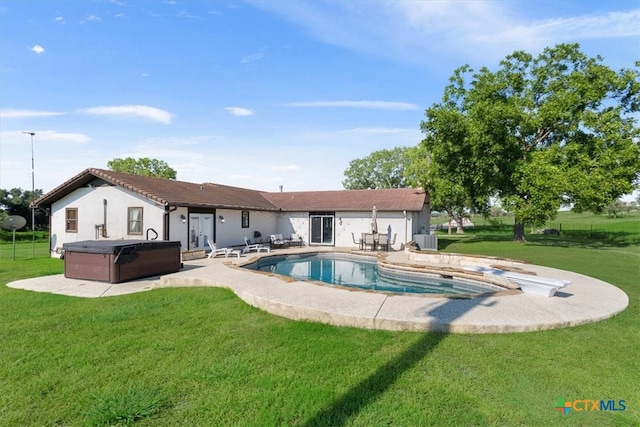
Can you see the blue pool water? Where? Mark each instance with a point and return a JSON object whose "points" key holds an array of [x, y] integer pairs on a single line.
{"points": [[364, 273]]}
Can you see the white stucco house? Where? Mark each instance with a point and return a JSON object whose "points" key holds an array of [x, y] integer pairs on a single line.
{"points": [[101, 204]]}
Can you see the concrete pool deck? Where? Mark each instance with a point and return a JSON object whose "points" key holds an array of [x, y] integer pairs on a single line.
{"points": [[586, 300]]}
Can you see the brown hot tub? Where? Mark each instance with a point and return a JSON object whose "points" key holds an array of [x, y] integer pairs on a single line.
{"points": [[116, 261]]}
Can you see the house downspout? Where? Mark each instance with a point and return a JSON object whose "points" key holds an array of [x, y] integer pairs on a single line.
{"points": [[104, 224], [48, 211], [167, 210], [405, 229], [101, 229]]}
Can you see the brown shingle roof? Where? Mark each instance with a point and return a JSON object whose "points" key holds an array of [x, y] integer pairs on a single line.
{"points": [[164, 191], [390, 199], [208, 195]]}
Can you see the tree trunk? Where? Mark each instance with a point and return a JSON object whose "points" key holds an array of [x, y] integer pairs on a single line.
{"points": [[459, 222], [518, 232]]}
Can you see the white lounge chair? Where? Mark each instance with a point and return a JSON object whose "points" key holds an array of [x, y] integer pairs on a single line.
{"points": [[536, 288], [215, 251], [253, 246], [528, 283]]}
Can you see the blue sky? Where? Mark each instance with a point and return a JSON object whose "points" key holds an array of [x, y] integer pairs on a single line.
{"points": [[256, 94]]}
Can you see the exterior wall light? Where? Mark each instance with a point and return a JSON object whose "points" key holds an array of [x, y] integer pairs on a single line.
{"points": [[221, 219], [183, 218]]}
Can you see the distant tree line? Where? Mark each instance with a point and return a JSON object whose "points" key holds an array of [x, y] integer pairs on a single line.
{"points": [[17, 202]]}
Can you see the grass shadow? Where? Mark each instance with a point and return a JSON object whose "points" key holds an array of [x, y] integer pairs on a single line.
{"points": [[367, 391], [370, 389], [619, 239]]}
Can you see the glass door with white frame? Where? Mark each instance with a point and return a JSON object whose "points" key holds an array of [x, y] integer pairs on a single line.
{"points": [[321, 229], [200, 229]]}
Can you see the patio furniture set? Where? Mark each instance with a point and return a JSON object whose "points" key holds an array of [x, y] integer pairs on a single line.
{"points": [[277, 241], [367, 241], [373, 241]]}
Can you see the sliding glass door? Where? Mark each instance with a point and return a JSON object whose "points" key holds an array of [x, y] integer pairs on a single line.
{"points": [[321, 229]]}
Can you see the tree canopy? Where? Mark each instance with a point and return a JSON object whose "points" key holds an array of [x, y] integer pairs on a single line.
{"points": [[409, 167], [143, 166], [17, 202], [445, 195], [380, 169], [539, 132]]}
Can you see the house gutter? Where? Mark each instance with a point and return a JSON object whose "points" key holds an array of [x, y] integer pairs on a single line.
{"points": [[167, 211], [405, 228], [104, 212]]}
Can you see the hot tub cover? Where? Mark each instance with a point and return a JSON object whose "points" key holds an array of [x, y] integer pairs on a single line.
{"points": [[116, 246], [117, 261]]}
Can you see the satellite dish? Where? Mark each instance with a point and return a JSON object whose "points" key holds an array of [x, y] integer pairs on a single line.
{"points": [[13, 222]]}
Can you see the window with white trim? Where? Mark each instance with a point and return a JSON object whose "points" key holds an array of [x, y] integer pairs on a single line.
{"points": [[134, 222], [71, 215]]}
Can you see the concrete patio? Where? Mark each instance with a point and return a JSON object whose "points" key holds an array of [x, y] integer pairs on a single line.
{"points": [[586, 300]]}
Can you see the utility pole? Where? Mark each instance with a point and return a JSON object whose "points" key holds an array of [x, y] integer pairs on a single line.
{"points": [[33, 199]]}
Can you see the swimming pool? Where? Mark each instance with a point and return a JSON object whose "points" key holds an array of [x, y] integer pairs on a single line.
{"points": [[364, 273]]}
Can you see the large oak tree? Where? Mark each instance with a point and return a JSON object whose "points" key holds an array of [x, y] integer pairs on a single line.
{"points": [[539, 132], [143, 166]]}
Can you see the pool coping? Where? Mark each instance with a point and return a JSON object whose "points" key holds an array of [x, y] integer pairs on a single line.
{"points": [[500, 285], [586, 300]]}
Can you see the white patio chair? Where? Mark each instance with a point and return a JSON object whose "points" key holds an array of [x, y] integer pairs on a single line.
{"points": [[369, 240], [253, 246], [383, 242], [215, 251], [358, 242]]}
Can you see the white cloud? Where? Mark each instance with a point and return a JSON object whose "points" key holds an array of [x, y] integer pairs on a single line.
{"points": [[90, 18], [17, 137], [55, 136], [381, 131], [180, 141], [380, 105], [60, 20], [541, 33], [185, 14], [431, 31], [37, 49], [11, 113], [239, 111], [147, 112], [286, 168], [251, 58]]}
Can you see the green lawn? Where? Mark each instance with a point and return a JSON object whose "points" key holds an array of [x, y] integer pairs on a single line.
{"points": [[201, 356]]}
